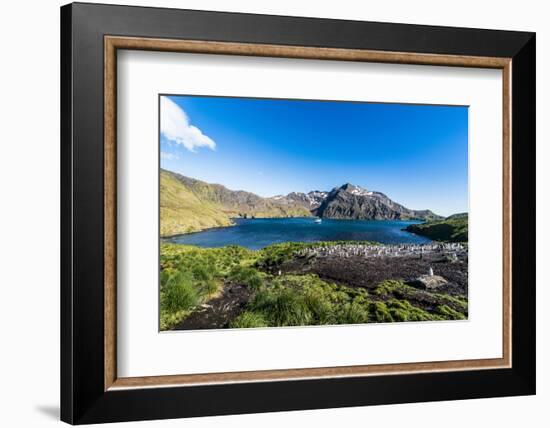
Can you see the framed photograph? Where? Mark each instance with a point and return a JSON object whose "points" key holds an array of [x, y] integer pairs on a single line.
{"points": [[265, 213]]}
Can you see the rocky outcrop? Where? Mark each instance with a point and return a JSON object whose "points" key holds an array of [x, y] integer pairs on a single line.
{"points": [[310, 200], [428, 282]]}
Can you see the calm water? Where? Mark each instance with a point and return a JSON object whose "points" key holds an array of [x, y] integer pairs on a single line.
{"points": [[259, 233]]}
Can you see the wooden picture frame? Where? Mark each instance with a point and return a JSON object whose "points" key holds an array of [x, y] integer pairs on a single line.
{"points": [[91, 390]]}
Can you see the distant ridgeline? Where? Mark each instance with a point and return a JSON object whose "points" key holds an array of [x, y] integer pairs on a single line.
{"points": [[451, 229], [189, 205]]}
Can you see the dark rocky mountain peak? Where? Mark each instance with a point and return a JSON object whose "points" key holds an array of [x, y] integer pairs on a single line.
{"points": [[349, 187], [350, 201], [355, 190]]}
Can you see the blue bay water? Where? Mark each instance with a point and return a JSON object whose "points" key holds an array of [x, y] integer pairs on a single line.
{"points": [[259, 233]]}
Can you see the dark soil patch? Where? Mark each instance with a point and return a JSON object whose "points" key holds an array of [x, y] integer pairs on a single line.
{"points": [[367, 272], [218, 312]]}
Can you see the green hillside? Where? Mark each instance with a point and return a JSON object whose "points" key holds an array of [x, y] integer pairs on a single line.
{"points": [[181, 211], [452, 229], [239, 203], [189, 205]]}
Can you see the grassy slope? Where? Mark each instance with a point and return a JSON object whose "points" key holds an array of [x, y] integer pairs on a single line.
{"points": [[181, 211], [452, 229], [237, 203], [194, 205]]}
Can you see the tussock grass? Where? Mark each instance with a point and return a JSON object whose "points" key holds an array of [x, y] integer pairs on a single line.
{"points": [[449, 313], [191, 276], [247, 276], [179, 293], [284, 307], [398, 290], [307, 300], [249, 320], [403, 310], [354, 313], [390, 287]]}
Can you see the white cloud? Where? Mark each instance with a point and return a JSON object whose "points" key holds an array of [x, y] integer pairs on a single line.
{"points": [[175, 127]]}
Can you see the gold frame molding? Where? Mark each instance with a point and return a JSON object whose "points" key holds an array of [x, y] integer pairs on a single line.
{"points": [[113, 43]]}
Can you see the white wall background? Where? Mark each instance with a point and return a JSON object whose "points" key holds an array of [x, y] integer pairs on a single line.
{"points": [[29, 213]]}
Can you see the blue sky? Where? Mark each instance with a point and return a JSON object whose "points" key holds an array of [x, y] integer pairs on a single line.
{"points": [[415, 154]]}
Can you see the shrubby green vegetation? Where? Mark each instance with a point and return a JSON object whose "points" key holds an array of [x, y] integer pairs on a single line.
{"points": [[248, 276], [294, 300], [392, 289], [452, 229], [249, 320], [191, 276]]}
